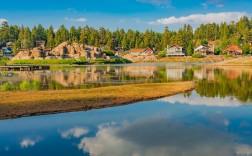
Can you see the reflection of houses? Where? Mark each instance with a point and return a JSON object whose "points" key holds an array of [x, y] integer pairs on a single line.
{"points": [[140, 71], [204, 73], [234, 50], [141, 51], [205, 50], [175, 50], [232, 74], [175, 74]]}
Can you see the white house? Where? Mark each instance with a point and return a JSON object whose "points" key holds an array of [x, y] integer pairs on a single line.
{"points": [[175, 50]]}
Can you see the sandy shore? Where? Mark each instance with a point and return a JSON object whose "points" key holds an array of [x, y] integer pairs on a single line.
{"points": [[20, 104]]}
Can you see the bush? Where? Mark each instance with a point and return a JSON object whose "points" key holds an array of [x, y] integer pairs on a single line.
{"points": [[4, 58], [47, 62], [217, 51], [109, 53], [162, 54], [110, 61], [197, 56]]}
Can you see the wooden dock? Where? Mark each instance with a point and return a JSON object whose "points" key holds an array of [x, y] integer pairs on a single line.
{"points": [[24, 67]]}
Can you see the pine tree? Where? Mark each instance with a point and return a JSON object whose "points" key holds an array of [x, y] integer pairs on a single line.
{"points": [[190, 49], [50, 37]]}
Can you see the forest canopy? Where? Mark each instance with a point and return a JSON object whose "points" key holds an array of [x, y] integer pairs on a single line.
{"points": [[224, 34]]}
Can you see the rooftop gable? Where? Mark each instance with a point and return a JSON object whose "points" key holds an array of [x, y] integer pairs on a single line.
{"points": [[140, 50], [233, 48]]}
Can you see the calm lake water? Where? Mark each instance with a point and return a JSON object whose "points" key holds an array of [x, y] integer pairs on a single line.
{"points": [[213, 120]]}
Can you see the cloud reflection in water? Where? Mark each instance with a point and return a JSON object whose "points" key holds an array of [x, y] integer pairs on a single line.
{"points": [[162, 137]]}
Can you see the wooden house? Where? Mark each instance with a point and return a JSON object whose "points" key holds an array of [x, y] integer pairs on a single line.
{"points": [[175, 50], [141, 51], [234, 50], [205, 50]]}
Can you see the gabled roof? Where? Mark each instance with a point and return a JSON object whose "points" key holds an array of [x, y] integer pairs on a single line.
{"points": [[208, 47], [139, 50], [233, 48], [175, 46], [200, 47]]}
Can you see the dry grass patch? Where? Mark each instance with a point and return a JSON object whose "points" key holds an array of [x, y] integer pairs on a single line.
{"points": [[18, 104], [241, 61]]}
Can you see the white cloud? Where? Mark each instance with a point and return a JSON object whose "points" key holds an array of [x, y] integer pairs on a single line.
{"points": [[201, 18], [196, 100], [151, 136], [76, 19], [244, 150], [156, 2], [74, 132], [25, 143], [2, 20]]}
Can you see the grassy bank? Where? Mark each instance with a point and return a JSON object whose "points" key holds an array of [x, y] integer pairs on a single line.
{"points": [[18, 104], [241, 61], [69, 61], [190, 59]]}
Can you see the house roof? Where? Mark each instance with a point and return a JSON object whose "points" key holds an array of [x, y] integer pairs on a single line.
{"points": [[233, 48], [40, 41], [139, 50], [200, 47], [175, 46], [208, 47]]}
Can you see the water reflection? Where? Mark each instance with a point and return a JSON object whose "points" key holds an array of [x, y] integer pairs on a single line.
{"points": [[196, 100], [210, 81], [181, 125], [76, 132], [160, 137]]}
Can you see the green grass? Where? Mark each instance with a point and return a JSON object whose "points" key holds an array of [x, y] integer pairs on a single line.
{"points": [[197, 56], [70, 61], [111, 61]]}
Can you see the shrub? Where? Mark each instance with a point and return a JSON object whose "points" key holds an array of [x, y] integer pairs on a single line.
{"points": [[51, 61], [110, 61], [197, 56], [109, 53], [4, 58], [217, 51], [162, 54]]}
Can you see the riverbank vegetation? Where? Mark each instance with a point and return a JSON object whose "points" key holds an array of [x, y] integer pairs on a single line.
{"points": [[70, 61], [239, 33], [242, 61], [227, 84], [18, 104], [190, 59]]}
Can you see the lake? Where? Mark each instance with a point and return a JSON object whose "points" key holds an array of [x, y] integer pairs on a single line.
{"points": [[214, 119]]}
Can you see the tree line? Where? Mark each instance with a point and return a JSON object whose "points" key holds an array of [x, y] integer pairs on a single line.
{"points": [[224, 34]]}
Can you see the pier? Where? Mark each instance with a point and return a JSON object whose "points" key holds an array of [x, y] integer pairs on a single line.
{"points": [[24, 67]]}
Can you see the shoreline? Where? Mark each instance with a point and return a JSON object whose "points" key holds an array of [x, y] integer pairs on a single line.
{"points": [[32, 103]]}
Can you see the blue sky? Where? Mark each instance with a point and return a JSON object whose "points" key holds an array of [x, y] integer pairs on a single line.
{"points": [[127, 14]]}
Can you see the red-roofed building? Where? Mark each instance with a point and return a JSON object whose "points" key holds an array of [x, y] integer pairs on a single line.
{"points": [[141, 51], [234, 50]]}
